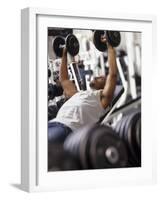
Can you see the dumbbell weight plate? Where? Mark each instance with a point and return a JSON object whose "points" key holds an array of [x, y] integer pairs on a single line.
{"points": [[135, 130], [106, 149], [60, 103], [123, 134], [137, 126], [134, 146], [51, 94], [49, 73], [117, 128], [128, 136], [84, 145], [76, 145], [52, 112], [114, 38], [122, 127], [97, 41], [138, 133], [137, 151], [129, 117], [58, 44], [72, 45]]}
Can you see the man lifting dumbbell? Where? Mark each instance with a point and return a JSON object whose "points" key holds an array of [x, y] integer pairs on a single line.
{"points": [[83, 107]]}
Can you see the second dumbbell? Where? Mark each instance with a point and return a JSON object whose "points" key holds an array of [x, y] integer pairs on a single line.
{"points": [[113, 38]]}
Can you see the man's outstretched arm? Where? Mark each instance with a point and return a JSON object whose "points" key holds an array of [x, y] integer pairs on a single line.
{"points": [[68, 86], [109, 88]]}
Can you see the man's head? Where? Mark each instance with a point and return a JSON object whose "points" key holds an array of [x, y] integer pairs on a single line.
{"points": [[98, 82]]}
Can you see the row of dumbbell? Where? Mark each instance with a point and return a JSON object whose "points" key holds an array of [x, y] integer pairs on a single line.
{"points": [[98, 146]]}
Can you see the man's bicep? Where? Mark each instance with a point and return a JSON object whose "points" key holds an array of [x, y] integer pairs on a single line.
{"points": [[69, 88]]}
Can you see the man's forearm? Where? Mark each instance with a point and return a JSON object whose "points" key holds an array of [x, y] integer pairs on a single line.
{"points": [[63, 73], [111, 80], [112, 62]]}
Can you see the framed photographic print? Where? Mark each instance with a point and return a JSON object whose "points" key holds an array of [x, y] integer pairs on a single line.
{"points": [[85, 102]]}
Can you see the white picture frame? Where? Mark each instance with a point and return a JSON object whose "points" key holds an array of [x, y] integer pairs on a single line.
{"points": [[34, 176]]}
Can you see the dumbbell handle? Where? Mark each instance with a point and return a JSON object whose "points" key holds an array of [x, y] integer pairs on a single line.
{"points": [[104, 38], [61, 45]]}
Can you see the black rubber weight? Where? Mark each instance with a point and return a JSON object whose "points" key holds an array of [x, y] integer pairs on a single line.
{"points": [[58, 43], [128, 137], [114, 38], [72, 45], [102, 140], [97, 41], [138, 133]]}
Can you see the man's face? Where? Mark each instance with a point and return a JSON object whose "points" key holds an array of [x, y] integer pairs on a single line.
{"points": [[98, 82]]}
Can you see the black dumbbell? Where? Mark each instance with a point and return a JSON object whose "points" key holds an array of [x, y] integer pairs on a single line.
{"points": [[53, 109], [60, 102], [96, 147], [70, 42], [52, 112], [113, 37], [49, 73], [54, 91], [129, 130]]}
